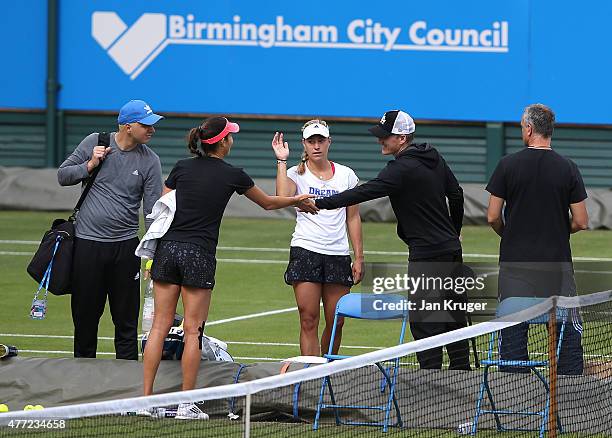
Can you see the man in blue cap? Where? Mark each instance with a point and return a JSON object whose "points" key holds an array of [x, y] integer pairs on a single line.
{"points": [[107, 227]]}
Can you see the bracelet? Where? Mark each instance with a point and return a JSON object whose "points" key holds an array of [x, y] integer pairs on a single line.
{"points": [[281, 161]]}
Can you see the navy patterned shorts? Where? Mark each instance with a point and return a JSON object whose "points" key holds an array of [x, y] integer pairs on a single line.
{"points": [[305, 265], [185, 264]]}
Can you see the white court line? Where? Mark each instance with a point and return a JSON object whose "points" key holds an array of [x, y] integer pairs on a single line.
{"points": [[273, 344], [20, 242], [286, 250], [289, 344], [267, 344], [208, 323], [248, 248], [265, 359], [582, 271], [282, 262], [255, 261], [107, 353], [577, 271], [22, 335], [250, 316], [247, 261]]}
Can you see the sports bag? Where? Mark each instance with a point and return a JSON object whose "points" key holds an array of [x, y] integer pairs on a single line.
{"points": [[51, 266], [212, 349]]}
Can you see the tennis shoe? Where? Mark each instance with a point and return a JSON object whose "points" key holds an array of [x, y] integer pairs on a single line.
{"points": [[190, 411], [144, 413]]}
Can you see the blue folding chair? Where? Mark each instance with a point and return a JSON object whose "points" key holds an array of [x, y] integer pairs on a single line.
{"points": [[371, 307], [508, 307]]}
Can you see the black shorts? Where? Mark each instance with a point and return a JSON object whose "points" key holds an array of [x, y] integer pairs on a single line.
{"points": [[313, 267], [185, 264]]}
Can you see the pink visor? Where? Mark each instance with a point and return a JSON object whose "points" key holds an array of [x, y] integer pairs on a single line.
{"points": [[229, 127]]}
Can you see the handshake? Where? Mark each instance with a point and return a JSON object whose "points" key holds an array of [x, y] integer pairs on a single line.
{"points": [[306, 204]]}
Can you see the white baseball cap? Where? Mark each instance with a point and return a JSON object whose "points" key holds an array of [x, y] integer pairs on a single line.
{"points": [[315, 129], [393, 122]]}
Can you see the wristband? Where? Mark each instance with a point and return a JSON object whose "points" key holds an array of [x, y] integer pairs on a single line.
{"points": [[281, 161]]}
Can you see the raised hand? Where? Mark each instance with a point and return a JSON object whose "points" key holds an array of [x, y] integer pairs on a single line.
{"points": [[281, 148]]}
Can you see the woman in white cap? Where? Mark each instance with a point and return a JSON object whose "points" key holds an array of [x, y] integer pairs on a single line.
{"points": [[319, 263], [184, 264]]}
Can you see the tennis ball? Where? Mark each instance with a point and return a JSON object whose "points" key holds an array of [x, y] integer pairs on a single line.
{"points": [[4, 408], [38, 407], [28, 408]]}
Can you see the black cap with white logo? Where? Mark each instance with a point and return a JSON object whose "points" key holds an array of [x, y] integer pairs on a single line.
{"points": [[393, 122]]}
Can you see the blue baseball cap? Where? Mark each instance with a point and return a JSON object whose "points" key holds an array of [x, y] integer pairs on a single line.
{"points": [[137, 111]]}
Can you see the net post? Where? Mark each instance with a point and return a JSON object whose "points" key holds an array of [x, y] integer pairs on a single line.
{"points": [[247, 416], [552, 370]]}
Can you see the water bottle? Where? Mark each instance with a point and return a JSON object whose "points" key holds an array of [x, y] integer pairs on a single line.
{"points": [[148, 307]]}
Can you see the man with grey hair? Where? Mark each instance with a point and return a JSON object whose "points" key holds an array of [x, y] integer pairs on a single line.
{"points": [[107, 228], [539, 188]]}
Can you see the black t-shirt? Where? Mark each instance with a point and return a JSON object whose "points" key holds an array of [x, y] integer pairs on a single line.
{"points": [[538, 185], [203, 186]]}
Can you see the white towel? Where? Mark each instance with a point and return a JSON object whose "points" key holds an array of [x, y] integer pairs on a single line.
{"points": [[162, 215]]}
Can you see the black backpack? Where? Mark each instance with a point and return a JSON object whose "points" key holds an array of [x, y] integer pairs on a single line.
{"points": [[51, 266]]}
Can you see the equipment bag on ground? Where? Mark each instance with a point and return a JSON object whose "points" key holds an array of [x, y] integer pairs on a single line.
{"points": [[212, 349]]}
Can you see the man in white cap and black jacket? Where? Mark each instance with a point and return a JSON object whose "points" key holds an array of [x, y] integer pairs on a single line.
{"points": [[418, 183]]}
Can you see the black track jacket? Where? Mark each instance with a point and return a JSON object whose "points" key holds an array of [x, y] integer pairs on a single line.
{"points": [[417, 183]]}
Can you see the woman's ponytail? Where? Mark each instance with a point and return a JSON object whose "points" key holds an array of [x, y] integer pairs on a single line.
{"points": [[208, 129], [193, 141], [302, 166]]}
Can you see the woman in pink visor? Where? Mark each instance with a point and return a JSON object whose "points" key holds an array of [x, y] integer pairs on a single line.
{"points": [[184, 263]]}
